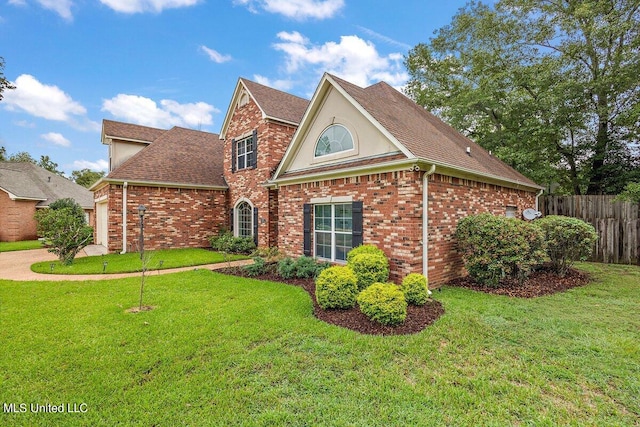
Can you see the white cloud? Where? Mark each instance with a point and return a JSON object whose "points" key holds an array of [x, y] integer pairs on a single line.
{"points": [[353, 59], [61, 7], [98, 165], [139, 6], [145, 111], [46, 101], [296, 9], [56, 138], [284, 85], [214, 55]]}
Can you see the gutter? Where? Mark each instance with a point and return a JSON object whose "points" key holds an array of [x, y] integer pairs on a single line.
{"points": [[537, 201], [124, 217], [425, 221]]}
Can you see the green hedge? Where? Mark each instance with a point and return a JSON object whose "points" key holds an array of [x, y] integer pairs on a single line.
{"points": [[364, 249], [494, 247], [414, 287], [336, 287], [568, 240], [383, 303], [369, 269]]}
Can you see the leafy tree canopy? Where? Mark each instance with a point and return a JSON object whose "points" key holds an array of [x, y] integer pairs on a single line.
{"points": [[86, 177], [45, 162], [4, 83], [551, 87]]}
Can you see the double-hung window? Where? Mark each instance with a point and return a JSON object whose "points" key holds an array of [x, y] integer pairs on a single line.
{"points": [[333, 226], [244, 152]]}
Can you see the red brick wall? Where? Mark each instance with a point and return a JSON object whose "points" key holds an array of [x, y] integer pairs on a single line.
{"points": [[451, 199], [273, 139], [392, 216], [16, 219], [174, 218]]}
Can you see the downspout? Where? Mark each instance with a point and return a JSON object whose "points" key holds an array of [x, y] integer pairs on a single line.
{"points": [[425, 220], [124, 217], [537, 197]]}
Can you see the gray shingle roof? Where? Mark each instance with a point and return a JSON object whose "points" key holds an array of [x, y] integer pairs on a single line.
{"points": [[122, 130], [178, 156], [27, 181], [424, 135], [275, 103]]}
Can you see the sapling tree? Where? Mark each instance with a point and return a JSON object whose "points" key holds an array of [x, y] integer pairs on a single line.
{"points": [[64, 228]]}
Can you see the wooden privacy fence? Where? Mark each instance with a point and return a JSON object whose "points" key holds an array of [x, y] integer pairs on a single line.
{"points": [[617, 224]]}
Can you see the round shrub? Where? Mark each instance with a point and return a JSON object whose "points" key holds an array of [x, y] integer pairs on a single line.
{"points": [[568, 240], [383, 303], [369, 269], [494, 247], [364, 249], [414, 287], [336, 287]]}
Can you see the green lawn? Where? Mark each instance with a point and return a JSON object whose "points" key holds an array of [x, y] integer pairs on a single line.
{"points": [[220, 350], [20, 246], [130, 262]]}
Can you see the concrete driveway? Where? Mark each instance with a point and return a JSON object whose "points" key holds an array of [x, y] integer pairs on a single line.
{"points": [[16, 265]]}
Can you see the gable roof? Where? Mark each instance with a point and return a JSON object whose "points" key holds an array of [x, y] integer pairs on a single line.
{"points": [[273, 103], [129, 132], [180, 157], [417, 133], [26, 181]]}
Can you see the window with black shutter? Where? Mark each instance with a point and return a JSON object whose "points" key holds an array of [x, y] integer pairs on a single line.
{"points": [[244, 152], [336, 229]]}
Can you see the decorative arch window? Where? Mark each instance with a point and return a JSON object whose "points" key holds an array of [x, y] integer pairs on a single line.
{"points": [[244, 215], [334, 139]]}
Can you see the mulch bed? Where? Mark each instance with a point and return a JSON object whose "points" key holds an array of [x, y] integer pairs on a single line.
{"points": [[541, 282], [417, 319]]}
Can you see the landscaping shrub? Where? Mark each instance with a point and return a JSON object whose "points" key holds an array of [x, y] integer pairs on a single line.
{"points": [[336, 287], [414, 287], [383, 303], [227, 242], [258, 267], [306, 267], [287, 268], [302, 267], [364, 249], [369, 268], [494, 247], [64, 229], [568, 240]]}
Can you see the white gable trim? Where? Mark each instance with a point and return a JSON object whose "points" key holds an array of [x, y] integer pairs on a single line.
{"points": [[315, 105]]}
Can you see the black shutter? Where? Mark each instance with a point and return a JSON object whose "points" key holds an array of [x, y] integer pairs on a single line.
{"points": [[254, 155], [255, 226], [306, 228], [231, 220], [233, 155], [356, 217]]}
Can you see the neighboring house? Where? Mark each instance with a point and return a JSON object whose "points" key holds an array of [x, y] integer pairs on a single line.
{"points": [[352, 166], [24, 188]]}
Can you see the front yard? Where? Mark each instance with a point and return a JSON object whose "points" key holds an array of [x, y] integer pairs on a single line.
{"points": [[223, 350]]}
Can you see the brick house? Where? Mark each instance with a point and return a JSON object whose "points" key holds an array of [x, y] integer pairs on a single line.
{"points": [[351, 166], [25, 188], [176, 174]]}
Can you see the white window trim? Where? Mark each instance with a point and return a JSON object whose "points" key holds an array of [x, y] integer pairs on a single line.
{"points": [[236, 217], [333, 232], [246, 157], [340, 154]]}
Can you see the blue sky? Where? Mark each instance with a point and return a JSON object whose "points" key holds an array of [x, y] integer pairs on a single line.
{"points": [[165, 63]]}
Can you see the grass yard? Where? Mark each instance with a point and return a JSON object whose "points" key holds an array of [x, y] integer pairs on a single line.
{"points": [[20, 246], [221, 350], [130, 262]]}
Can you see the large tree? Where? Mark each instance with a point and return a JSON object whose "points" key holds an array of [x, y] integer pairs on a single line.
{"points": [[86, 177], [552, 87], [4, 83]]}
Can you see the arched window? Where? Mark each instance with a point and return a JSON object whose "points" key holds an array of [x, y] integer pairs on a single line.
{"points": [[244, 215], [334, 139]]}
